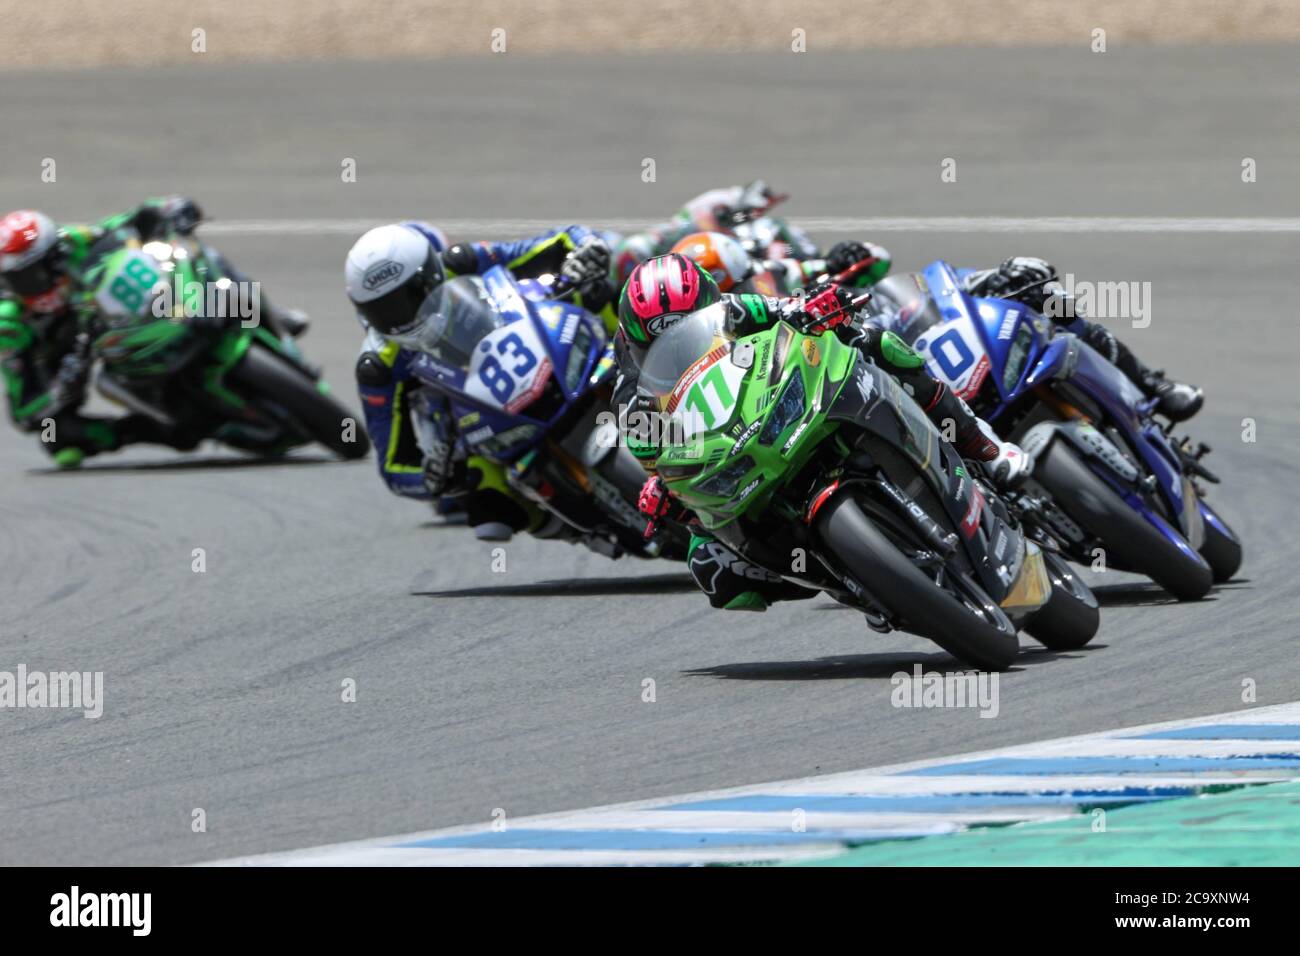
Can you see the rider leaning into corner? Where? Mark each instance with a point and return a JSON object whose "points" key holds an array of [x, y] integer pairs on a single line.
{"points": [[736, 270], [1035, 283], [389, 273], [789, 254], [665, 289], [797, 262], [46, 314]]}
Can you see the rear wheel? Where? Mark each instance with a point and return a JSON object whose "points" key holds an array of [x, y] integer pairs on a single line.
{"points": [[1123, 532], [1221, 551], [1070, 618], [987, 640], [319, 415]]}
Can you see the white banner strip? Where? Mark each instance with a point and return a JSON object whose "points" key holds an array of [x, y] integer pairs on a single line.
{"points": [[491, 228]]}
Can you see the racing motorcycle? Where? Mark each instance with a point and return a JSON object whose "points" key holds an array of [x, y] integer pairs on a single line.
{"points": [[769, 238], [786, 444], [530, 377], [227, 380], [1107, 474]]}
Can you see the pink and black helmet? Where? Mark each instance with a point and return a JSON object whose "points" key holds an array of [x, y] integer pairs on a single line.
{"points": [[661, 290]]}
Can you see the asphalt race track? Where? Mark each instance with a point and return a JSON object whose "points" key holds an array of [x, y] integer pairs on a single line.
{"points": [[523, 690]]}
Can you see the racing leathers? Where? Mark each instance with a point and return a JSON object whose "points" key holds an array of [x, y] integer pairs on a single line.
{"points": [[728, 579], [417, 440]]}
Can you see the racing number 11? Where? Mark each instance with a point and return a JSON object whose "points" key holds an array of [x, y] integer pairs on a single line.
{"points": [[710, 398]]}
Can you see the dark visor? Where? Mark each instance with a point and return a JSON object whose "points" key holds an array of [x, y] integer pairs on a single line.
{"points": [[33, 280], [394, 312]]}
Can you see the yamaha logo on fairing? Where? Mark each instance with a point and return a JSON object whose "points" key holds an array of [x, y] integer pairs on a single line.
{"points": [[381, 273], [1008, 324]]}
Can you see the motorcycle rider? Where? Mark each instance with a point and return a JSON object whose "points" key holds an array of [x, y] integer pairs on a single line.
{"points": [[1035, 283], [793, 255], [389, 272], [664, 289], [45, 306]]}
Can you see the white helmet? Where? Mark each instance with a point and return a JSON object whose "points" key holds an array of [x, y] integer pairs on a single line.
{"points": [[389, 273]]}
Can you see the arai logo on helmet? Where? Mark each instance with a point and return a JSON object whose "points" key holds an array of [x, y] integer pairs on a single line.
{"points": [[661, 322], [380, 274]]}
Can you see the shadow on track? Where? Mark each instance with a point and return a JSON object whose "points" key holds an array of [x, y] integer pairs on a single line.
{"points": [[871, 666], [188, 464], [447, 521], [644, 584], [1148, 594]]}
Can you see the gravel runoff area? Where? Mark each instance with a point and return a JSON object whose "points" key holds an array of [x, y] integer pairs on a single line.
{"points": [[88, 33]]}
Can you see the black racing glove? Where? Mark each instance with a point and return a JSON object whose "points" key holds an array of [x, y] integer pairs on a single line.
{"points": [[1019, 273], [156, 219], [845, 255], [587, 263]]}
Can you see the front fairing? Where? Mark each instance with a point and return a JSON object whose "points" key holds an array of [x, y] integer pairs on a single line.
{"points": [[977, 339], [562, 348], [141, 296], [739, 416]]}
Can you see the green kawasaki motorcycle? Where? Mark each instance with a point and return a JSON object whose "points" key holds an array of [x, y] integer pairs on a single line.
{"points": [[233, 380], [801, 455]]}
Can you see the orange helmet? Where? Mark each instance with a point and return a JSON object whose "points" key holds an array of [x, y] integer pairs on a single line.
{"points": [[720, 256]]}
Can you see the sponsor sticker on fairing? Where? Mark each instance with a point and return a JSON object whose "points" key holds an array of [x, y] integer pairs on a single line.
{"points": [[743, 438], [794, 438], [747, 490], [700, 366], [971, 521]]}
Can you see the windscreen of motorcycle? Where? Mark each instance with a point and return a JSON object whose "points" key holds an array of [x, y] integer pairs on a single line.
{"points": [[906, 299], [453, 319], [504, 359], [679, 350]]}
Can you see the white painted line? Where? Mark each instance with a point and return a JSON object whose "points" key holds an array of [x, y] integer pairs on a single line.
{"points": [[463, 856], [475, 229], [1162, 748], [888, 782], [647, 817]]}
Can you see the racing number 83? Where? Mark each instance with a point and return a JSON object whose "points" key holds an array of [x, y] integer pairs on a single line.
{"points": [[501, 379]]}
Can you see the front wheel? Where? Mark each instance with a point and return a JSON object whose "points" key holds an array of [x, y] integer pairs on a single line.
{"points": [[261, 374], [908, 595]]}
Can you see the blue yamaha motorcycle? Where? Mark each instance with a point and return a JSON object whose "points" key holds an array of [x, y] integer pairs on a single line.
{"points": [[1107, 474], [530, 377]]}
